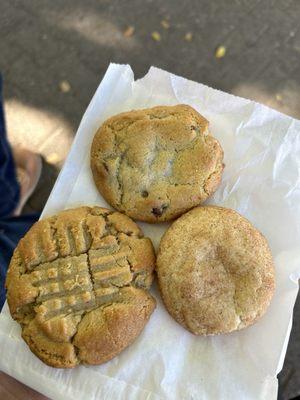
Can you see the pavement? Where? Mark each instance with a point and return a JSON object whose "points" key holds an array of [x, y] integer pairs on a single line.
{"points": [[53, 55]]}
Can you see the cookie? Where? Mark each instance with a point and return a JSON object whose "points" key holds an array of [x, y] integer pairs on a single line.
{"points": [[78, 285], [157, 163], [215, 271]]}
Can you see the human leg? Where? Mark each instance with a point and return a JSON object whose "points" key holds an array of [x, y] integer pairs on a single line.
{"points": [[9, 187]]}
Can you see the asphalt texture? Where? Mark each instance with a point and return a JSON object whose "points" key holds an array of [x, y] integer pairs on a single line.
{"points": [[53, 55]]}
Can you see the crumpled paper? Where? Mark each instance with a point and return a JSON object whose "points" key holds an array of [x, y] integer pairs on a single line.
{"points": [[261, 181]]}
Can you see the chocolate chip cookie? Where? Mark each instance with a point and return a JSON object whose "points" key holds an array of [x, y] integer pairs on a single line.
{"points": [[157, 163]]}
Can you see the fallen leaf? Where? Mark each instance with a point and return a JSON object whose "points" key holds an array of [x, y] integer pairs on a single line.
{"points": [[220, 51], [129, 31], [165, 24], [64, 86], [188, 36], [156, 36]]}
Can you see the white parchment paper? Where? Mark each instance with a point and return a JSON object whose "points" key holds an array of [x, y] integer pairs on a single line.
{"points": [[261, 181]]}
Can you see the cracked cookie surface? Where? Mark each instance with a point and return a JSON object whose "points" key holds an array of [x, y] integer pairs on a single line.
{"points": [[215, 271], [157, 163], [78, 285]]}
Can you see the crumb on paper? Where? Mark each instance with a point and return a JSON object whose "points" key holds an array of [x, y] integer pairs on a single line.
{"points": [[156, 36], [220, 51], [165, 24], [129, 31], [64, 86], [188, 36]]}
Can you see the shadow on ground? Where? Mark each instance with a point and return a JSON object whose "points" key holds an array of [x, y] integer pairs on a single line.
{"points": [[43, 43]]}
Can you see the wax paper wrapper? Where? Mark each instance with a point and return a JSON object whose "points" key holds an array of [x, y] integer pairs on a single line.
{"points": [[260, 181]]}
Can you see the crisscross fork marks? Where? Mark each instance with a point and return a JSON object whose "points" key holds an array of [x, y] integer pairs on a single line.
{"points": [[64, 285], [55, 259], [81, 282]]}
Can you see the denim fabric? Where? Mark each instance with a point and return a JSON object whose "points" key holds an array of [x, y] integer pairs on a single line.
{"points": [[11, 228], [9, 187]]}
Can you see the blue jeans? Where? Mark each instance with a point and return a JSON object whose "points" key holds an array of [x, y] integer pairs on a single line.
{"points": [[11, 228]]}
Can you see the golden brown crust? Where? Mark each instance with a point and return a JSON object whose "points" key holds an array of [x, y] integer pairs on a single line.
{"points": [[56, 354], [79, 264], [215, 271], [157, 163], [105, 332]]}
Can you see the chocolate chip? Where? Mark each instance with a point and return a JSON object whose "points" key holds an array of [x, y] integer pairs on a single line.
{"points": [[195, 128], [158, 211], [145, 193]]}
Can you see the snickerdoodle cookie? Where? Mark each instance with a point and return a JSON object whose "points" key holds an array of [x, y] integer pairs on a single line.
{"points": [[157, 163], [215, 271]]}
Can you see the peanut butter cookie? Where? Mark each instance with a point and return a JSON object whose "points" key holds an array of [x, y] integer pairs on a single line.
{"points": [[78, 285]]}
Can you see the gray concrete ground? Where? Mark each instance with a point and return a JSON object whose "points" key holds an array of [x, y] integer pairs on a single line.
{"points": [[54, 53]]}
